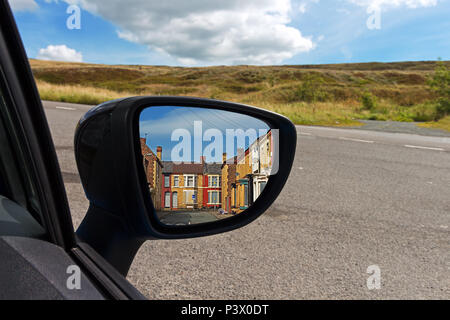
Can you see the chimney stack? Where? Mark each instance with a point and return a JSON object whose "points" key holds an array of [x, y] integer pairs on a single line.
{"points": [[224, 157], [159, 152], [202, 159]]}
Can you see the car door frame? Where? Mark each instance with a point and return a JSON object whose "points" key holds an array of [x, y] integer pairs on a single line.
{"points": [[35, 133]]}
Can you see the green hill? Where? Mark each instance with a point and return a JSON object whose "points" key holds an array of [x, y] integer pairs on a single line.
{"points": [[338, 94]]}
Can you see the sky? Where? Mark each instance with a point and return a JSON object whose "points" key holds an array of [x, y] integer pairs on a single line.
{"points": [[159, 124], [234, 32]]}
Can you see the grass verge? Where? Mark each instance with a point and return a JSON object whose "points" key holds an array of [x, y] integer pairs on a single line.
{"points": [[443, 124], [76, 93]]}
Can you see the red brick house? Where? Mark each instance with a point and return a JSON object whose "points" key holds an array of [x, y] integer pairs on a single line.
{"points": [[153, 171], [212, 189]]}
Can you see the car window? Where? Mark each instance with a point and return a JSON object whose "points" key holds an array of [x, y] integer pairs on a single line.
{"points": [[20, 208]]}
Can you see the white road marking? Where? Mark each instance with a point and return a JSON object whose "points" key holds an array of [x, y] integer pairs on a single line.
{"points": [[65, 108], [424, 148], [356, 140], [305, 134]]}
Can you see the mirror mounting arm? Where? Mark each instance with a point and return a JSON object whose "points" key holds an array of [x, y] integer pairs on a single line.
{"points": [[114, 242]]}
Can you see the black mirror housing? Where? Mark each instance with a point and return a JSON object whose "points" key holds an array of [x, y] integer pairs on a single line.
{"points": [[121, 215]]}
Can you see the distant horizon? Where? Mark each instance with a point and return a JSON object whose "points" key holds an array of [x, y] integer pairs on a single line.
{"points": [[242, 65]]}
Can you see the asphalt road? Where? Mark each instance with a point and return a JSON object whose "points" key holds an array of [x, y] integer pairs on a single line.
{"points": [[355, 198]]}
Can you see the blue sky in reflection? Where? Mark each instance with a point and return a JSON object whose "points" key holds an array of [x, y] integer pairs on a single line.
{"points": [[157, 124]]}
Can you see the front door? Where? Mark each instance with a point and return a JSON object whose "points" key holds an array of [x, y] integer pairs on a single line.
{"points": [[167, 200], [175, 200]]}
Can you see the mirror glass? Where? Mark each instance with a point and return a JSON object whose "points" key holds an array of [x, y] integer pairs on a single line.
{"points": [[204, 164]]}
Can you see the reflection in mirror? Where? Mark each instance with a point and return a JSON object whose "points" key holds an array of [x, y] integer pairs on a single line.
{"points": [[204, 164]]}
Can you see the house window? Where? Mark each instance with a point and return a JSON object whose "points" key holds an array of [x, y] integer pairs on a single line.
{"points": [[214, 181], [262, 185], [166, 181], [176, 181], [190, 181], [246, 195], [213, 197]]}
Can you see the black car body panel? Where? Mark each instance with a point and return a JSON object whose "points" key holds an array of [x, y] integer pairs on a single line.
{"points": [[36, 268]]}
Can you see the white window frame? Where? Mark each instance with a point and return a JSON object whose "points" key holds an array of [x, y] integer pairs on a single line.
{"points": [[210, 180], [194, 180], [210, 197], [177, 184], [168, 180]]}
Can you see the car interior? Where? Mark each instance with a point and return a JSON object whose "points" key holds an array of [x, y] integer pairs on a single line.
{"points": [[18, 211]]}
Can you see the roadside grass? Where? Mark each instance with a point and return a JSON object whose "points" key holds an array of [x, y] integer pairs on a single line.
{"points": [[76, 93], [443, 124], [332, 95]]}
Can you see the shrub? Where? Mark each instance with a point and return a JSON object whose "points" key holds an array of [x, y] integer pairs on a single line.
{"points": [[424, 112], [311, 90], [440, 83], [368, 101], [442, 108]]}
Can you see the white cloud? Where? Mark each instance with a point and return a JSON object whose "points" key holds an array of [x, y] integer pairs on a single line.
{"points": [[59, 53], [207, 31], [413, 4], [22, 5], [302, 7], [304, 4]]}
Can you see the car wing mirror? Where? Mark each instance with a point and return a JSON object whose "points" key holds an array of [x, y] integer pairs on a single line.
{"points": [[174, 167]]}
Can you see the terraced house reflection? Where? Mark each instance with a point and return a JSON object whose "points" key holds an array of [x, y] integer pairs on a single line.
{"points": [[212, 185], [201, 192]]}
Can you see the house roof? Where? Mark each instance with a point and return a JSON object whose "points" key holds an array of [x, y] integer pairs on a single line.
{"points": [[212, 168], [183, 168], [167, 167]]}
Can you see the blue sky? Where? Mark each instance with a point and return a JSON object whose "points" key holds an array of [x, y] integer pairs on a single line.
{"points": [[157, 124], [215, 32]]}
